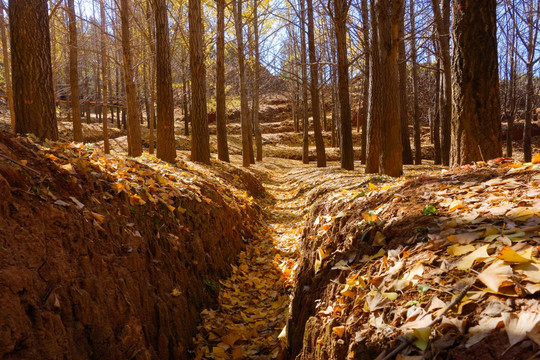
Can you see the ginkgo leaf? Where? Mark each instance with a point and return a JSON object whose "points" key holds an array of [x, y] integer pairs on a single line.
{"points": [[339, 330], [478, 255], [518, 325], [458, 250], [220, 352], [375, 301], [455, 205], [464, 238], [495, 274], [422, 337], [370, 217], [522, 213], [486, 325], [511, 256], [380, 239]]}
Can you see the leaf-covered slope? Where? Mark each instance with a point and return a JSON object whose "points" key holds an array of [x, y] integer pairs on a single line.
{"points": [[110, 257]]}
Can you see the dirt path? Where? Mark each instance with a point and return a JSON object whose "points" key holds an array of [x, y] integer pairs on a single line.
{"points": [[254, 301]]}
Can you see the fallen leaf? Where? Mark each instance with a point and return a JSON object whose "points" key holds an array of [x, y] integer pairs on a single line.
{"points": [[495, 274], [458, 250], [479, 254], [511, 256], [518, 325], [339, 330], [486, 326], [422, 337]]}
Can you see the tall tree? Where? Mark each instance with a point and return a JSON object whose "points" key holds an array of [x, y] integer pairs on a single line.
{"points": [[132, 121], [476, 125], [404, 98], [305, 111], [414, 75], [244, 109], [165, 103], [7, 62], [33, 92], [221, 110], [341, 9], [315, 102], [200, 138], [367, 70], [105, 69], [256, 82]]}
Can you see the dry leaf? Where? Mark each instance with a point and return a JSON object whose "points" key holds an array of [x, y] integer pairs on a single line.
{"points": [[495, 274], [479, 254], [339, 330], [518, 325]]}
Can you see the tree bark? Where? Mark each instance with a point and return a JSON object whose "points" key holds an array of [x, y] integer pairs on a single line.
{"points": [[132, 121], [105, 69], [74, 73], [315, 101], [33, 92], [256, 82], [7, 66], [403, 96], [476, 125], [165, 104], [244, 109], [200, 138], [414, 73], [341, 8], [221, 110], [303, 54], [367, 71]]}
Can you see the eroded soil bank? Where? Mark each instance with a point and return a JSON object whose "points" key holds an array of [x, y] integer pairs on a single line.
{"points": [[111, 258]]}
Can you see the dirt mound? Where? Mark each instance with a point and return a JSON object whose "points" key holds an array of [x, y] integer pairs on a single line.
{"points": [[108, 257], [385, 260]]}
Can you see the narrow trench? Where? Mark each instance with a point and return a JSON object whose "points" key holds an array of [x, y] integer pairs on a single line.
{"points": [[253, 302]]}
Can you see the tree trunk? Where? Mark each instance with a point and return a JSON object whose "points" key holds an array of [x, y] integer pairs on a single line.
{"points": [[132, 121], [165, 104], [442, 22], [303, 54], [33, 92], [221, 110], [367, 71], [105, 69], [256, 81], [403, 96], [315, 101], [476, 125], [74, 73], [341, 8], [437, 116], [200, 139], [7, 62], [414, 71]]}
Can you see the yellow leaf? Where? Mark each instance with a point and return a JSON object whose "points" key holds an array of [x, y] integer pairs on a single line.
{"points": [[370, 217], [511, 256], [536, 158], [171, 208], [495, 274], [339, 330], [176, 292], [479, 254], [220, 352], [136, 200], [95, 216], [237, 353], [464, 238], [230, 339], [522, 213], [491, 231], [380, 239], [455, 205], [372, 187], [422, 337], [458, 250]]}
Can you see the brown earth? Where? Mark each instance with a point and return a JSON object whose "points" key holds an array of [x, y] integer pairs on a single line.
{"points": [[91, 271]]}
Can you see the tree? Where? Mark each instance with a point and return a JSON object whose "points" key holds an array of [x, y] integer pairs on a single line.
{"points": [[403, 80], [105, 69], [200, 139], [33, 92], [133, 125], [315, 102], [414, 74], [7, 62], [74, 73], [256, 82], [221, 110], [244, 110], [341, 9], [476, 125], [303, 54], [165, 103]]}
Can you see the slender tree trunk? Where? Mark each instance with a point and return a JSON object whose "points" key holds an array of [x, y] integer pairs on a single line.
{"points": [[315, 101], [33, 92], [105, 67], [221, 110], [476, 124], [200, 139], [367, 72], [414, 71], [375, 113], [256, 81], [305, 123], [341, 8], [403, 95], [165, 103], [74, 73], [7, 66], [512, 95], [437, 115]]}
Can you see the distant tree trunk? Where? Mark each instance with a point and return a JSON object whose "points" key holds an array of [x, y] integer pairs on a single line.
{"points": [[414, 73], [132, 121], [7, 66], [403, 95], [437, 116], [315, 101], [165, 103], [305, 127], [512, 95], [185, 91], [200, 139], [221, 110], [341, 8], [74, 73], [442, 22], [476, 124], [375, 113], [33, 92], [256, 81], [105, 67], [367, 72], [244, 110]]}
